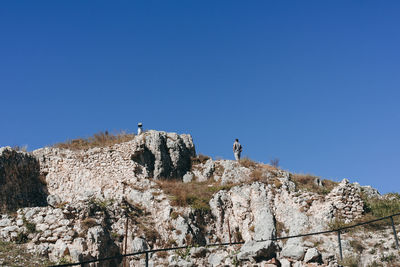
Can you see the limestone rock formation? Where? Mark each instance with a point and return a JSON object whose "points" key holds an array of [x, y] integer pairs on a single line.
{"points": [[164, 155], [92, 198], [110, 172]]}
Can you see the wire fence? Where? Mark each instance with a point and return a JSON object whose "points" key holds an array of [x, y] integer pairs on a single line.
{"points": [[338, 231]]}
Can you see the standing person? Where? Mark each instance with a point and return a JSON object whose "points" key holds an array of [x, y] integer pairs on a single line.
{"points": [[139, 129], [237, 149]]}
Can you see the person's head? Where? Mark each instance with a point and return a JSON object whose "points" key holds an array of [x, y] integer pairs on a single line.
{"points": [[236, 140], [139, 124]]}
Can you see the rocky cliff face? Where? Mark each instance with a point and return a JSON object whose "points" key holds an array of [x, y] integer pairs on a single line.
{"points": [[112, 172], [97, 196]]}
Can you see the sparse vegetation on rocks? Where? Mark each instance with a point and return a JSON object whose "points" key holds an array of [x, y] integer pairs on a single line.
{"points": [[100, 139], [12, 254], [164, 195], [195, 194], [308, 182]]}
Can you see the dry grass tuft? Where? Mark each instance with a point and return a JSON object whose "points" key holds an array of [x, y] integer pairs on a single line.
{"points": [[17, 255], [88, 223], [280, 227], [101, 139], [375, 208], [307, 182], [248, 163], [194, 194], [265, 174]]}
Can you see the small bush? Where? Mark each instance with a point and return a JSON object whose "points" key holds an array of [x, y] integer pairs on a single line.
{"points": [[21, 238], [274, 162], [101, 139], [30, 227], [183, 253]]}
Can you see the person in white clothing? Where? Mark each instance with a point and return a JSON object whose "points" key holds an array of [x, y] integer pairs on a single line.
{"points": [[237, 149], [139, 130]]}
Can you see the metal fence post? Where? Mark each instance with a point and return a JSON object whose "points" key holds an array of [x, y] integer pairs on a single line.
{"points": [[126, 240], [229, 231], [340, 245], [147, 259], [394, 232]]}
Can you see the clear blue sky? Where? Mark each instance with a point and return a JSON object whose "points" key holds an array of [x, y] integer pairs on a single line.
{"points": [[313, 83]]}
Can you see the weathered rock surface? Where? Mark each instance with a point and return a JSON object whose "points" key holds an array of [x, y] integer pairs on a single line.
{"points": [[257, 251], [248, 210], [111, 172], [95, 195]]}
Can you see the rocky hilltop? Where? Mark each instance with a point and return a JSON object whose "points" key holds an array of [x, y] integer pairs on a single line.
{"points": [[155, 192]]}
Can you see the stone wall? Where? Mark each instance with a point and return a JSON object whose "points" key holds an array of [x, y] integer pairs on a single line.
{"points": [[20, 185], [347, 202], [110, 172]]}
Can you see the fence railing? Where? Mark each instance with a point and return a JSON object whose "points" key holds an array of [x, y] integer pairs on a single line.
{"points": [[338, 231]]}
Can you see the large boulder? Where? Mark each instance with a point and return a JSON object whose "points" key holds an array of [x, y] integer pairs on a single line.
{"points": [[257, 251], [295, 252], [245, 210], [164, 155]]}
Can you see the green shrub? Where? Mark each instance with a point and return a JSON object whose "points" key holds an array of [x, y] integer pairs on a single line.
{"points": [[382, 207], [30, 227], [21, 238], [388, 258]]}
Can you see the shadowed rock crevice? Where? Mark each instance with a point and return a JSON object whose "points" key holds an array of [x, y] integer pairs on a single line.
{"points": [[145, 158], [164, 155], [20, 183]]}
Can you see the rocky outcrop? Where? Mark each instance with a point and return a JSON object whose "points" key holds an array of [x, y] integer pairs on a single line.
{"points": [[98, 195], [20, 184], [245, 211], [164, 155], [111, 172]]}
